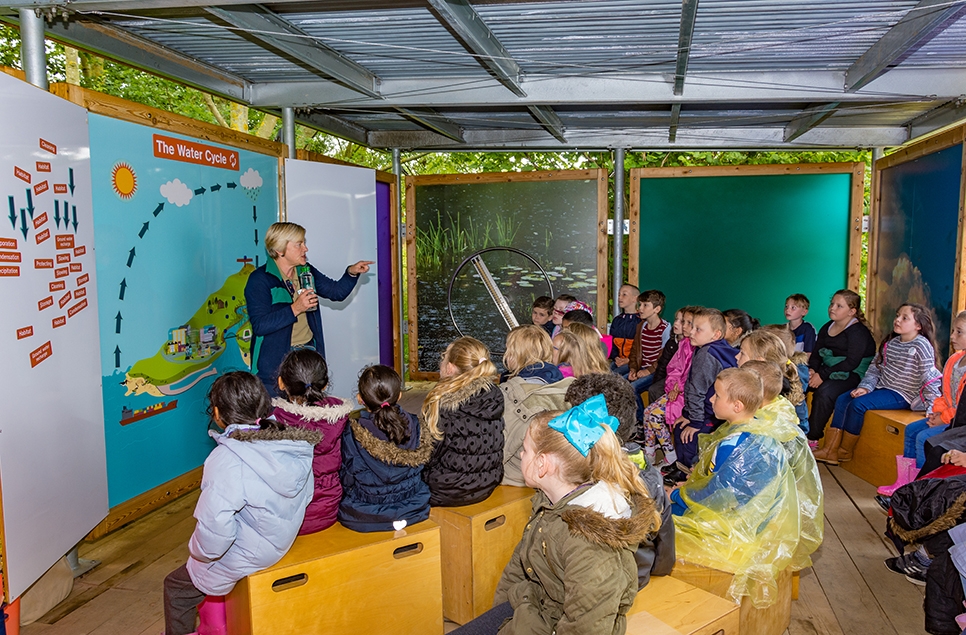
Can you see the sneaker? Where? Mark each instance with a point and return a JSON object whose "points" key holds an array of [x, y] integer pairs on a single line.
{"points": [[675, 477], [885, 502], [909, 566]]}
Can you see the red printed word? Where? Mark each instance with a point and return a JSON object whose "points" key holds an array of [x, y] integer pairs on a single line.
{"points": [[63, 258], [60, 188], [76, 267], [80, 293], [21, 174], [191, 152], [62, 272], [45, 303], [48, 146], [40, 220], [8, 243], [9, 256], [43, 263], [25, 332], [80, 251], [40, 188], [9, 271], [64, 241], [77, 308], [42, 236], [58, 321], [83, 279], [64, 300], [43, 166], [40, 354], [57, 285]]}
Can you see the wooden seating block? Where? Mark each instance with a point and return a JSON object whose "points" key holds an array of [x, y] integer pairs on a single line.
{"points": [[768, 621], [476, 544], [342, 581], [668, 606], [881, 440]]}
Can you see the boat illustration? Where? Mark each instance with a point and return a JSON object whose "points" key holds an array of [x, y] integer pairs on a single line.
{"points": [[130, 416]]}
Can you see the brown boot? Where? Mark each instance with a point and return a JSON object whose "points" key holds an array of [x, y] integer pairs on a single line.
{"points": [[829, 453], [848, 444]]}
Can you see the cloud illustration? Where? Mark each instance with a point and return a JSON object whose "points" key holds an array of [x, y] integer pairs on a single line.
{"points": [[251, 179], [177, 193]]}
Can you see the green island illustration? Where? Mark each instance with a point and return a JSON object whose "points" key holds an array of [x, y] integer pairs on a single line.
{"points": [[188, 355]]}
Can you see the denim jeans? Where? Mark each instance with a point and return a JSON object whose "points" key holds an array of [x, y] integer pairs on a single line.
{"points": [[639, 386], [915, 441], [850, 412]]}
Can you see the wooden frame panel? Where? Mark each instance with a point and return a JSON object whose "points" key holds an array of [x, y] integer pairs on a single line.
{"points": [[910, 153], [497, 177], [856, 201]]}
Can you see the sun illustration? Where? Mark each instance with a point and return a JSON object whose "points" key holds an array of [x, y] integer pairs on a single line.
{"points": [[124, 180]]}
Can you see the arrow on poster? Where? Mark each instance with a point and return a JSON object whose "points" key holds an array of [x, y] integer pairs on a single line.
{"points": [[123, 287], [144, 230], [13, 212], [74, 210], [215, 187], [117, 356], [30, 204], [231, 186], [130, 257], [256, 236], [70, 181], [157, 210], [57, 212], [201, 190], [23, 223], [117, 319], [254, 213]]}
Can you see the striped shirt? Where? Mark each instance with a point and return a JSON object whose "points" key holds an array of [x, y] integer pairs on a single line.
{"points": [[908, 368], [652, 342]]}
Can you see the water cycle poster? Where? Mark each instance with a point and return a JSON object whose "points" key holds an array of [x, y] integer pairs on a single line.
{"points": [[179, 226]]}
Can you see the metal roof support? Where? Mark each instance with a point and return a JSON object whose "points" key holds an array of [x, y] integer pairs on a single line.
{"points": [[689, 11], [953, 111], [618, 225], [334, 126], [280, 34], [435, 122], [33, 54], [460, 16], [808, 119], [550, 121], [288, 130], [672, 131], [922, 23]]}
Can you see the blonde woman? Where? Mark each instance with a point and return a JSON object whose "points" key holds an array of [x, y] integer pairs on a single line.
{"points": [[464, 414], [285, 316]]}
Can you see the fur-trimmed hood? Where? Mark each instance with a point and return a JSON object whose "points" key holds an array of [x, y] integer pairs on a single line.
{"points": [[488, 406], [280, 458], [618, 533], [290, 433], [333, 410], [388, 452]]}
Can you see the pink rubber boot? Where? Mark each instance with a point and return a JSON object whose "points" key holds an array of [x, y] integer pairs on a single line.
{"points": [[211, 616], [906, 472]]}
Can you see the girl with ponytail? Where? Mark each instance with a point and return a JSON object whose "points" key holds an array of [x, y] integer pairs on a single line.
{"points": [[574, 568], [302, 380], [464, 414], [383, 454]]}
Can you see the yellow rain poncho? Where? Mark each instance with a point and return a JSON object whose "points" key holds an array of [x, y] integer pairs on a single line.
{"points": [[757, 512]]}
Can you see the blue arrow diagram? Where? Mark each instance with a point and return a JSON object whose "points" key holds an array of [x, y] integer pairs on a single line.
{"points": [[200, 191], [256, 236], [57, 212], [30, 204], [74, 211], [13, 212], [144, 230], [130, 257], [117, 320], [157, 210], [117, 356], [123, 287], [215, 187], [70, 178], [254, 213], [231, 186], [23, 223]]}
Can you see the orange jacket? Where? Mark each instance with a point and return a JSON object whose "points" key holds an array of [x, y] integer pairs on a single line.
{"points": [[945, 404]]}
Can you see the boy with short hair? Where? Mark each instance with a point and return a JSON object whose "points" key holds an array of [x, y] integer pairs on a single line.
{"points": [[651, 335], [712, 354], [623, 328], [796, 308], [542, 312]]}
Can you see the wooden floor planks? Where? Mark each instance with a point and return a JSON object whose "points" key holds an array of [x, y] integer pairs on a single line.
{"points": [[848, 591]]}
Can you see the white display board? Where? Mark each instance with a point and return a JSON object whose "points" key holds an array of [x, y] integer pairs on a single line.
{"points": [[53, 473], [337, 206]]}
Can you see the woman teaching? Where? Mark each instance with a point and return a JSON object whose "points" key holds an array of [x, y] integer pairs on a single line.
{"points": [[284, 313]]}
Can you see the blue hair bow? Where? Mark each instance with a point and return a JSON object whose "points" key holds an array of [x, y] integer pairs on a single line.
{"points": [[581, 425]]}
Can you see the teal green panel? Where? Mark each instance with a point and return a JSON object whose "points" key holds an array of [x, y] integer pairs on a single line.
{"points": [[746, 242]]}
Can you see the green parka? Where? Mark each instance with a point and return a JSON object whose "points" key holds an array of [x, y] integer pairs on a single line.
{"points": [[574, 571]]}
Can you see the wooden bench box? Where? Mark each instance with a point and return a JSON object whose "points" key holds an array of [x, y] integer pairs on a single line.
{"points": [[668, 606], [769, 621], [881, 440], [476, 542], [342, 581]]}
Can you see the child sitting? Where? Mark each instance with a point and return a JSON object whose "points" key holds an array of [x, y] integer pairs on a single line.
{"points": [[738, 511], [712, 353], [383, 454], [738, 324], [559, 308], [902, 376], [529, 356], [656, 389], [542, 313], [584, 317], [582, 355], [768, 346], [302, 380], [254, 490], [464, 412], [800, 361], [652, 334], [574, 569], [623, 328], [940, 414], [796, 308]]}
